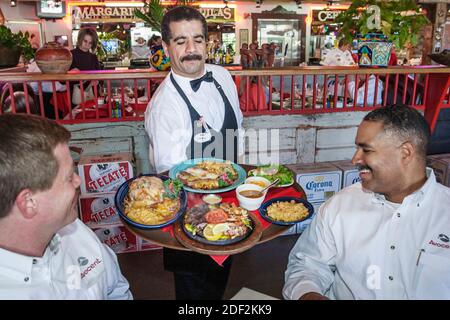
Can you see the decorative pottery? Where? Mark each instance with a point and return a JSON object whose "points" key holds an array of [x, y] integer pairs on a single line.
{"points": [[158, 59], [374, 51], [9, 57], [53, 58]]}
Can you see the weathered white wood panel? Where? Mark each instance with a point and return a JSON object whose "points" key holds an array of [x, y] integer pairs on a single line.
{"points": [[334, 154], [336, 137], [306, 145], [291, 138], [100, 138]]}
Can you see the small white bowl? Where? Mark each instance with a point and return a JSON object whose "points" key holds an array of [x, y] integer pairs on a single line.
{"points": [[212, 199], [249, 203], [259, 181]]}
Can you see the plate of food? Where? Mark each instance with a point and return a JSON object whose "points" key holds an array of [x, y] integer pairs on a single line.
{"points": [[272, 172], [219, 225], [286, 211], [151, 201], [208, 175]]}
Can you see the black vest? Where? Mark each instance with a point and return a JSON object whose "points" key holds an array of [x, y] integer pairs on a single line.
{"points": [[224, 143]]}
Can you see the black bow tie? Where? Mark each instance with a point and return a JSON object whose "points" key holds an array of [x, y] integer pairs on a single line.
{"points": [[195, 84]]}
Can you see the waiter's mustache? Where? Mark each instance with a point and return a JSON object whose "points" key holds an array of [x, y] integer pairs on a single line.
{"points": [[363, 167], [191, 57]]}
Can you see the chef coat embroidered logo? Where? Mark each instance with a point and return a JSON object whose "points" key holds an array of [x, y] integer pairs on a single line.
{"points": [[82, 261], [443, 238]]}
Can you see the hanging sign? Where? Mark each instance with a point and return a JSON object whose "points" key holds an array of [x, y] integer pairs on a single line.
{"points": [[218, 14], [325, 15], [88, 13], [104, 14]]}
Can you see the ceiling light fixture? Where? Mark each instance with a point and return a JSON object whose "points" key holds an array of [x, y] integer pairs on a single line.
{"points": [[13, 3], [258, 3]]}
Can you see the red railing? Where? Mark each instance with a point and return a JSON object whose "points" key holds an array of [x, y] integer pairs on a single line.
{"points": [[124, 95]]}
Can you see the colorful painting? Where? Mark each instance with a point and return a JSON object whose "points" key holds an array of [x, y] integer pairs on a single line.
{"points": [[374, 53]]}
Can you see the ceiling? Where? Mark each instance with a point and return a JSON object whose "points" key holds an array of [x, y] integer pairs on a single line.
{"points": [[229, 1]]}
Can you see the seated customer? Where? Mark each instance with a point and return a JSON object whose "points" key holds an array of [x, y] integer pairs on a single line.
{"points": [[340, 56], [45, 251], [20, 100], [385, 237], [47, 92]]}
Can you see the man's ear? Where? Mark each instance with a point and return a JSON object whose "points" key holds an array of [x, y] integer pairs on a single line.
{"points": [[408, 151], [26, 202], [166, 48]]}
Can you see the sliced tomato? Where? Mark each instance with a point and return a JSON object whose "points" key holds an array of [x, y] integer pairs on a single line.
{"points": [[216, 216]]}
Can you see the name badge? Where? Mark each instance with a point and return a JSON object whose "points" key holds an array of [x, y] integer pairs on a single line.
{"points": [[202, 137]]}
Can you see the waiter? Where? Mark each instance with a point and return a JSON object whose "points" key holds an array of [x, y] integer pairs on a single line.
{"points": [[194, 113]]}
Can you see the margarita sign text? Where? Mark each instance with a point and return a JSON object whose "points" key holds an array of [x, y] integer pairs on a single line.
{"points": [[91, 13]]}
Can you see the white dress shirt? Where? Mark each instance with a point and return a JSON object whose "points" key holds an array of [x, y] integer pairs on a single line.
{"points": [[337, 57], [361, 246], [167, 118], [47, 86], [75, 265]]}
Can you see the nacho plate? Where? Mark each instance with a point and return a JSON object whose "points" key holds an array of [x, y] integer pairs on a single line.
{"points": [[121, 197]]}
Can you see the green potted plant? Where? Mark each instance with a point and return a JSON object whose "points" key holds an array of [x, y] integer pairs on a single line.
{"points": [[152, 14], [397, 22], [12, 45]]}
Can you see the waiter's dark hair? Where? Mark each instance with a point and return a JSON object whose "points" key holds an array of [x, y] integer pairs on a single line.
{"points": [[27, 159], [179, 14], [405, 124]]}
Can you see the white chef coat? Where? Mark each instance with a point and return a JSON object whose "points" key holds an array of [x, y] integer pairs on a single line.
{"points": [[167, 118], [360, 246], [337, 57], [75, 265]]}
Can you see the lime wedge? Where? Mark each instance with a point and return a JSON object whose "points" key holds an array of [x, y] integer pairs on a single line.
{"points": [[220, 228], [209, 234]]}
